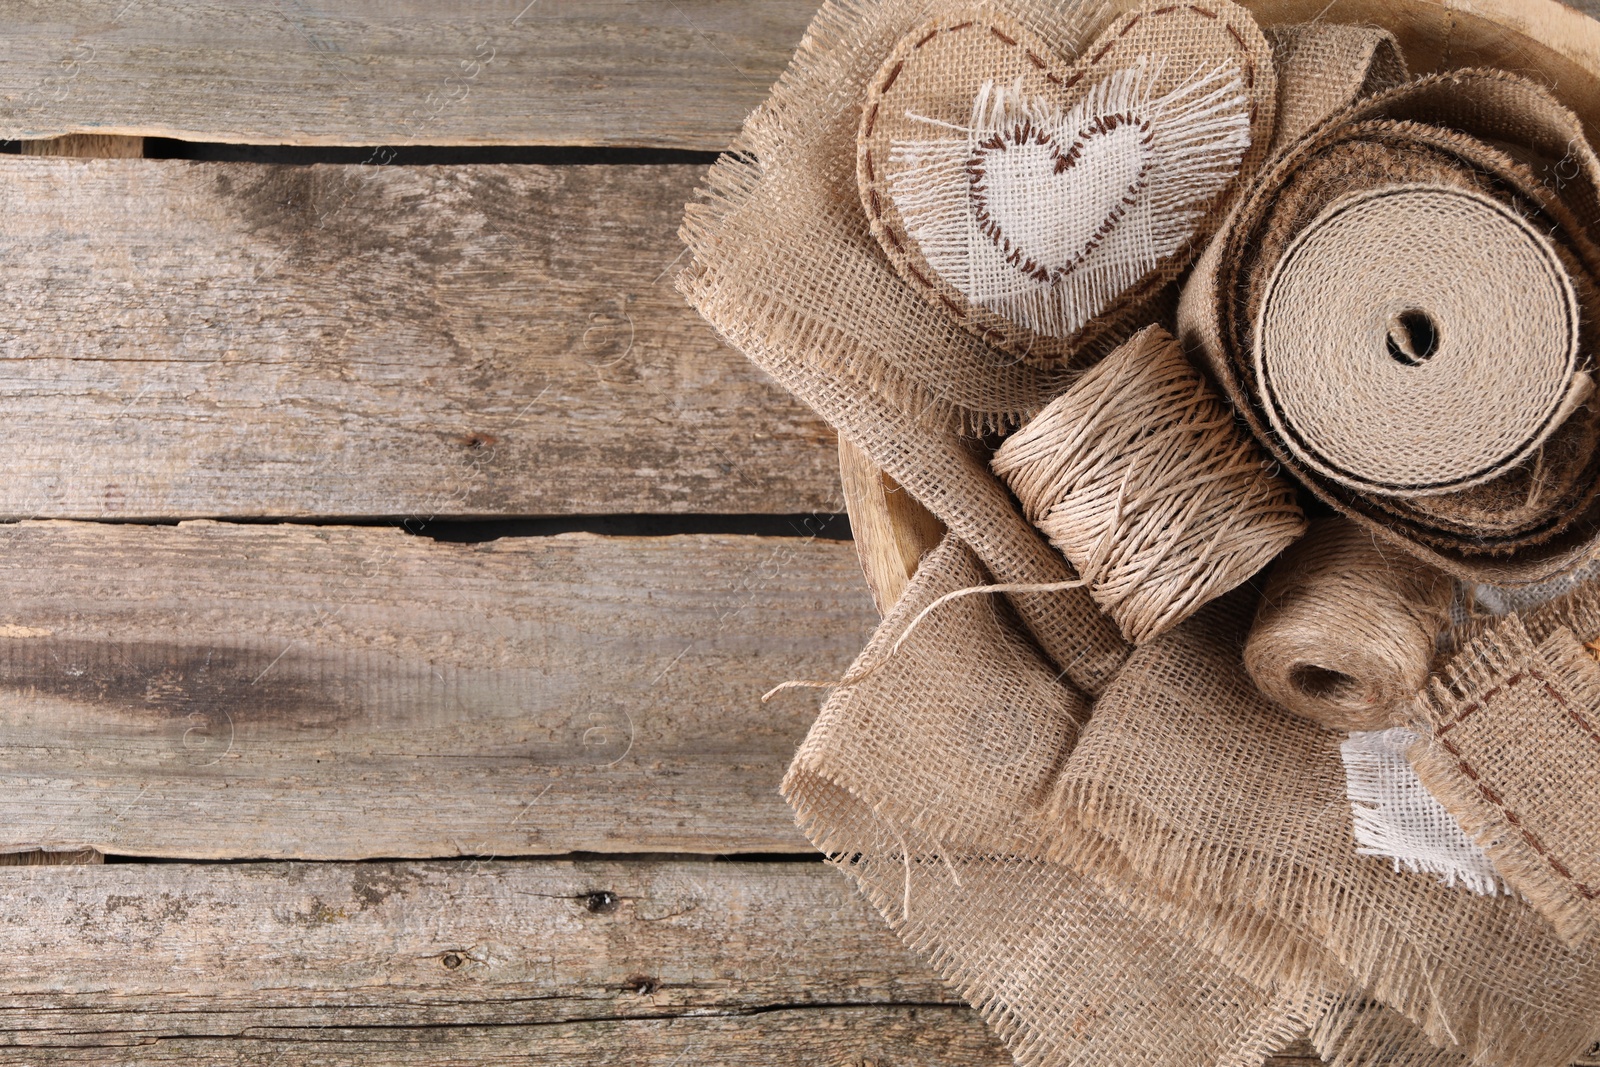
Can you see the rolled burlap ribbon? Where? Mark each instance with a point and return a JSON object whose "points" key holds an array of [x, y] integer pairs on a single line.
{"points": [[1139, 475], [1345, 632], [1402, 381], [1399, 310]]}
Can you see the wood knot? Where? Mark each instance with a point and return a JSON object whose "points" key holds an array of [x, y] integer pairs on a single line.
{"points": [[601, 902]]}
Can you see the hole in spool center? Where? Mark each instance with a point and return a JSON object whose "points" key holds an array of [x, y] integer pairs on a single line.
{"points": [[1413, 337], [1320, 683]]}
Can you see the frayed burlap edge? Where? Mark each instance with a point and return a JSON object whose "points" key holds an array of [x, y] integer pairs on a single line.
{"points": [[1493, 659], [833, 806], [1193, 863]]}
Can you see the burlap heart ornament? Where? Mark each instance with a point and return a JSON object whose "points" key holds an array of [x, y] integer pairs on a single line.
{"points": [[1034, 200]]}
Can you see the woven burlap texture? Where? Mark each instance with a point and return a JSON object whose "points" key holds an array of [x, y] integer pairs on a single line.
{"points": [[1480, 137], [1208, 792], [1512, 749], [788, 245], [924, 783], [1038, 201], [1347, 628], [786, 270], [1141, 477], [930, 784]]}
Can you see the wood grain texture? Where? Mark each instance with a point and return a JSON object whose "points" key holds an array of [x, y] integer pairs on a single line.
{"points": [[210, 690], [776, 1037], [466, 962], [892, 531], [233, 339], [86, 146], [662, 962], [680, 74]]}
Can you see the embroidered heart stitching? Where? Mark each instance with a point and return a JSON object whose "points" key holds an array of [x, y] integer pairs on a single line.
{"points": [[994, 172], [1040, 206]]}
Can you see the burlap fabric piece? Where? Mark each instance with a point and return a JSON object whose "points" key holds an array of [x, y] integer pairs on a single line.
{"points": [[789, 245], [1512, 751], [1040, 202], [786, 270], [1210, 793], [1451, 130], [923, 783]]}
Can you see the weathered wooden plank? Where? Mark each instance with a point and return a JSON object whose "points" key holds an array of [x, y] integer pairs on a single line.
{"points": [[680, 74], [471, 962], [780, 1037], [208, 949], [465, 962], [228, 339], [212, 690]]}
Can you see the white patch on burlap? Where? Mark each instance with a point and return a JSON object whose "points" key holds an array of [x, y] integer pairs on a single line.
{"points": [[1397, 819], [1132, 195], [1503, 600]]}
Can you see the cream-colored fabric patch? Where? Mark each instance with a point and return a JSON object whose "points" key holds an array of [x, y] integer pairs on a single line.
{"points": [[1397, 819]]}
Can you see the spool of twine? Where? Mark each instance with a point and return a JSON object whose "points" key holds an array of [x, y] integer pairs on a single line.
{"points": [[1140, 477], [1389, 359], [1346, 631]]}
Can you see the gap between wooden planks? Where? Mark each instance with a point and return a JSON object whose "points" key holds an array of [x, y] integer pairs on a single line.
{"points": [[214, 691]]}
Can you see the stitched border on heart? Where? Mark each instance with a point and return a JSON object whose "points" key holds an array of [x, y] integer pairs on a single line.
{"points": [[1176, 46]]}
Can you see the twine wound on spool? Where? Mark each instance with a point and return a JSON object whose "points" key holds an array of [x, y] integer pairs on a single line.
{"points": [[1388, 360], [1345, 633], [1140, 477]]}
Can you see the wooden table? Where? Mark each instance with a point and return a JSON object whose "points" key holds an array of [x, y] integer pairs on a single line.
{"points": [[394, 562]]}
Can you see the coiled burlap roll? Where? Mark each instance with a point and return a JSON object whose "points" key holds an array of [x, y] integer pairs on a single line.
{"points": [[1139, 475], [1402, 311], [1373, 372], [1346, 631]]}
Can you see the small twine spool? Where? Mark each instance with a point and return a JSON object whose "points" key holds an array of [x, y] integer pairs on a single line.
{"points": [[1346, 631], [1139, 475]]}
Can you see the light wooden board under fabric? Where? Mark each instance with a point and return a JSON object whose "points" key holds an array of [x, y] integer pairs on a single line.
{"points": [[466, 962]]}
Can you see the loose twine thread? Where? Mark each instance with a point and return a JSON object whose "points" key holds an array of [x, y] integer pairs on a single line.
{"points": [[1345, 634], [1140, 477], [861, 674]]}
